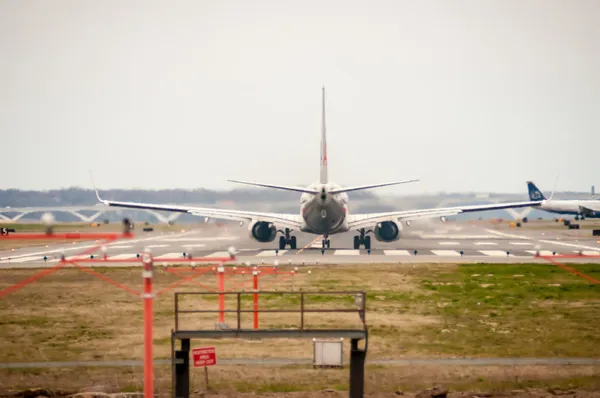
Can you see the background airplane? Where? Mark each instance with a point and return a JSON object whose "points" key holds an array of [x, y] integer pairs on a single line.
{"points": [[579, 208], [323, 211]]}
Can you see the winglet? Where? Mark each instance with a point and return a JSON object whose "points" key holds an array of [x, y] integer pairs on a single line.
{"points": [[96, 189]]}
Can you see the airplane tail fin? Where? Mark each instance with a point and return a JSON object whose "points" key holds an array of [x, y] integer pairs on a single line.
{"points": [[534, 192], [323, 179]]}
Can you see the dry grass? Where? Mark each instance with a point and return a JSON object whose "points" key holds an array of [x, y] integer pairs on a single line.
{"points": [[425, 310], [262, 380]]}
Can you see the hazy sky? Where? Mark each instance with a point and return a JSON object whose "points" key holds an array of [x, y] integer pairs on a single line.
{"points": [[465, 95]]}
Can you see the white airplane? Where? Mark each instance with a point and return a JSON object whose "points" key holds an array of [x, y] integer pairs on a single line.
{"points": [[323, 211], [579, 208]]}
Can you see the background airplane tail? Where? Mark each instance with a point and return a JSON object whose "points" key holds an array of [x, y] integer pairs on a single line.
{"points": [[534, 192], [323, 179]]}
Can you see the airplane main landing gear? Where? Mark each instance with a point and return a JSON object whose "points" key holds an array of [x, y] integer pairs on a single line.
{"points": [[362, 239], [287, 240]]}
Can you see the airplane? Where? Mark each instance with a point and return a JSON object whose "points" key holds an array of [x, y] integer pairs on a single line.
{"points": [[324, 210], [579, 208]]}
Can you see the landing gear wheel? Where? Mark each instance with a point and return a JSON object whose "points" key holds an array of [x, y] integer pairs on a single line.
{"points": [[281, 243], [325, 243], [293, 242], [362, 239]]}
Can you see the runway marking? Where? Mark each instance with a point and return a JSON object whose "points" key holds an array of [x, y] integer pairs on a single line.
{"points": [[485, 243], [218, 254], [121, 247], [446, 253], [588, 252], [77, 247], [570, 245], [449, 243], [169, 255], [317, 238], [495, 253], [156, 246], [521, 243], [270, 253], [20, 259], [208, 238], [198, 245], [542, 252], [508, 235], [396, 252], [346, 252], [429, 236]]}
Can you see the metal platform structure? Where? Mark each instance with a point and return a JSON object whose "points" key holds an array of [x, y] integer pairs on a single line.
{"points": [[180, 358]]}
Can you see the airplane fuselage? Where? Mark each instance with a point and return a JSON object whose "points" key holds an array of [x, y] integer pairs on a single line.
{"points": [[573, 207], [324, 213]]}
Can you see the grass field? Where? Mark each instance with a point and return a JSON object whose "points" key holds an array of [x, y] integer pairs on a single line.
{"points": [[442, 310]]}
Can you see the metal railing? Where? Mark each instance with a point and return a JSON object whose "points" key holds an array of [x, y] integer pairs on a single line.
{"points": [[359, 303]]}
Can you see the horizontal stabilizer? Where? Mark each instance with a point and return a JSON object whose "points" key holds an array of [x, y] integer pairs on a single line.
{"points": [[361, 187], [283, 187]]}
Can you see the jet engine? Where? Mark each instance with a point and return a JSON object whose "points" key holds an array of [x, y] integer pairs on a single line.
{"points": [[387, 231], [262, 231]]}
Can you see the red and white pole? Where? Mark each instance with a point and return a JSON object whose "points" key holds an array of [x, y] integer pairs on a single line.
{"points": [[147, 275], [255, 287], [221, 281]]}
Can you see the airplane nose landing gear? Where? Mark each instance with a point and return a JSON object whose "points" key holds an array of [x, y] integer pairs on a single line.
{"points": [[286, 239], [362, 239], [325, 243]]}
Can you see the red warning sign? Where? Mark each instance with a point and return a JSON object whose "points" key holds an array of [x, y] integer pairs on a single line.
{"points": [[204, 356]]}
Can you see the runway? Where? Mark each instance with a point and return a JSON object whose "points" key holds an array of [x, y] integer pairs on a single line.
{"points": [[439, 243]]}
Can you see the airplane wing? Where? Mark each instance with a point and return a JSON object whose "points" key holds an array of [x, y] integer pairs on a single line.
{"points": [[286, 220], [365, 220]]}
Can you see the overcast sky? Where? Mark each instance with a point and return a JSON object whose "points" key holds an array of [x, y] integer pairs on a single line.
{"points": [[464, 95]]}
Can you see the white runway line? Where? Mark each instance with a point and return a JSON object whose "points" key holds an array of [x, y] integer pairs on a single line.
{"points": [[21, 259], [508, 235], [169, 255], [446, 253], [495, 253], [589, 252], [521, 243], [218, 254], [542, 252], [570, 245], [156, 246], [429, 236], [269, 253], [200, 239], [120, 247], [192, 246], [449, 243], [346, 252], [485, 243], [396, 253]]}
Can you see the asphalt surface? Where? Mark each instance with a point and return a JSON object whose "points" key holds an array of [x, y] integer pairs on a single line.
{"points": [[427, 242], [307, 361]]}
